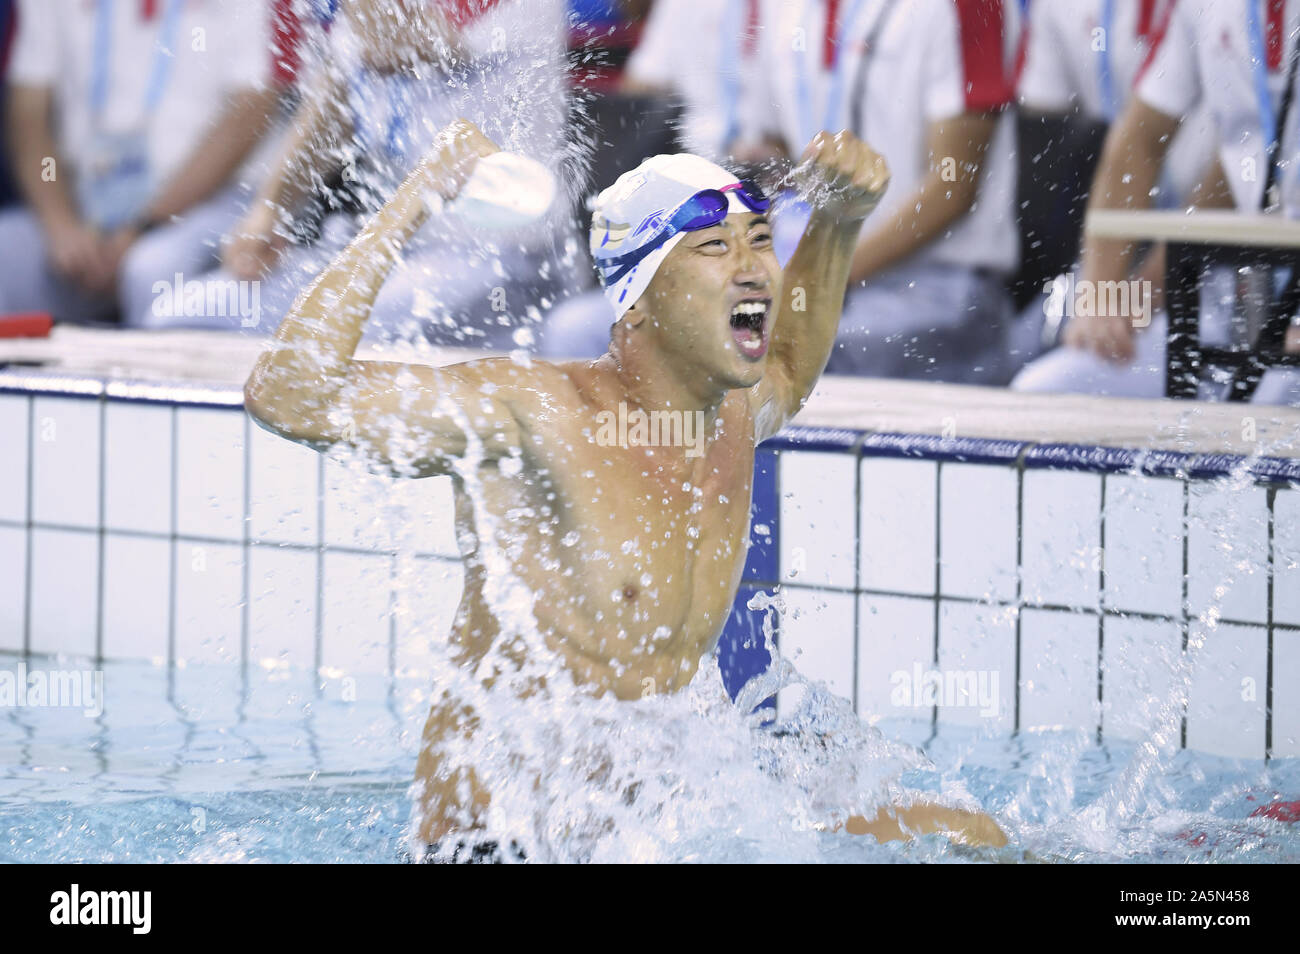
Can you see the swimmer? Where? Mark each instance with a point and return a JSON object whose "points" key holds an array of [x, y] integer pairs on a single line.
{"points": [[707, 326]]}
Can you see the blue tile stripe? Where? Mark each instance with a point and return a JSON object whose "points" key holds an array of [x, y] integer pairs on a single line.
{"points": [[762, 563], [971, 450], [1052, 456], [814, 439]]}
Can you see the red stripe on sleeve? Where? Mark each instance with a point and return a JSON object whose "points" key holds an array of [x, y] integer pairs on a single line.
{"points": [[751, 28], [286, 40], [1273, 33], [1146, 16], [980, 25], [1156, 42], [828, 35], [462, 12]]}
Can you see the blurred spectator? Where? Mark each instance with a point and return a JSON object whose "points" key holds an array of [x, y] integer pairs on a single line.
{"points": [[1081, 59], [702, 52], [1237, 60], [8, 25], [390, 76], [128, 120], [602, 34], [927, 83]]}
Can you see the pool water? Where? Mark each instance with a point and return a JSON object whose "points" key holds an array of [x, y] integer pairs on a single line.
{"points": [[215, 764]]}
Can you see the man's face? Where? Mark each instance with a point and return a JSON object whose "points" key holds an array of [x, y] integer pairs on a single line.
{"points": [[711, 303]]}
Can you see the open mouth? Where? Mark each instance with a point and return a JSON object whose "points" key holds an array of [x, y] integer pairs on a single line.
{"points": [[749, 326]]}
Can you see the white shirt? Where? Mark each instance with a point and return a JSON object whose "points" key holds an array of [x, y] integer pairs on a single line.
{"points": [[932, 60], [222, 47], [1069, 50], [1205, 56], [705, 51]]}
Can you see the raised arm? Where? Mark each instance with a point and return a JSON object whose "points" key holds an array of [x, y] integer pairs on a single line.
{"points": [[1129, 169], [844, 179], [412, 419], [310, 153]]}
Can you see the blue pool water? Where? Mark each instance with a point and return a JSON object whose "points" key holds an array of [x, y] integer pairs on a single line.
{"points": [[210, 764]]}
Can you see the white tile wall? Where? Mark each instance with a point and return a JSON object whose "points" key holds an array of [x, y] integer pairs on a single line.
{"points": [[895, 633], [138, 467], [284, 490], [1143, 565], [13, 587], [980, 639], [1227, 552], [426, 596], [817, 636], [1061, 538], [281, 607], [429, 525], [897, 534], [1286, 694], [65, 591], [977, 531], [14, 414], [1225, 707], [355, 620], [1143, 561], [1058, 670], [359, 509], [1138, 660], [209, 591], [137, 601], [65, 465], [817, 519], [1286, 557], [210, 473]]}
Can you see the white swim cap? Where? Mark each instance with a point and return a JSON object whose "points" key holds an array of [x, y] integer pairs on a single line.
{"points": [[633, 211]]}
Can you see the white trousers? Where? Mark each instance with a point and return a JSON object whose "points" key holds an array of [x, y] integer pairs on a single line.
{"points": [[1077, 371], [187, 246]]}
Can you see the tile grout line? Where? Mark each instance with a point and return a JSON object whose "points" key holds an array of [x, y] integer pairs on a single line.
{"points": [[235, 541], [858, 460], [31, 495], [173, 541], [320, 565], [1270, 497], [1101, 608], [99, 570], [938, 580], [245, 610], [1186, 621], [1020, 574]]}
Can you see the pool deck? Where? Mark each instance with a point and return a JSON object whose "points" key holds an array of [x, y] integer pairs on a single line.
{"points": [[220, 361]]}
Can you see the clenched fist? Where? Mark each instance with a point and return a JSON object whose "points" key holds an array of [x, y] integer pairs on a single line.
{"points": [[458, 147], [841, 174]]}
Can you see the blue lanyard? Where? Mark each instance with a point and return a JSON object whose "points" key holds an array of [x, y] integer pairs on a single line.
{"points": [[397, 112], [1268, 118], [103, 54], [1105, 77], [730, 72], [836, 94], [325, 10], [397, 91]]}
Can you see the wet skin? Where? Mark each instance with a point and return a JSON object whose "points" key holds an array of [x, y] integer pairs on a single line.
{"points": [[632, 554]]}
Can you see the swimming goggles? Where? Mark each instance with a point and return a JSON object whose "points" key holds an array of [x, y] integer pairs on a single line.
{"points": [[703, 210]]}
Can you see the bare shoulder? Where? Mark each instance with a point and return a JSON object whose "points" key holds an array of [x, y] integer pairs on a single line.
{"points": [[528, 386]]}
